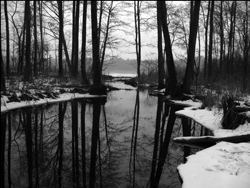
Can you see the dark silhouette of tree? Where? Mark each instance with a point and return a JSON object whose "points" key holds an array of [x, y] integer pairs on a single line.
{"points": [[110, 11], [35, 40], [95, 47], [206, 33], [84, 34], [3, 86], [19, 34], [41, 62], [137, 35], [27, 73], [160, 54], [246, 49], [210, 41], [60, 11], [221, 36], [74, 59], [172, 84], [194, 20], [7, 40]]}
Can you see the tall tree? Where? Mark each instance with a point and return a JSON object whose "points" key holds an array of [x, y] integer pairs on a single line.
{"points": [[161, 7], [84, 34], [60, 11], [137, 35], [3, 88], [41, 62], [35, 40], [75, 31], [76, 38], [110, 11], [160, 54], [7, 40], [221, 36], [27, 73], [73, 39], [189, 74], [95, 47], [206, 33], [211, 41], [246, 49]]}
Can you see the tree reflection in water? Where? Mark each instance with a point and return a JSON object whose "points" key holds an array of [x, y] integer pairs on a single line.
{"points": [[84, 143]]}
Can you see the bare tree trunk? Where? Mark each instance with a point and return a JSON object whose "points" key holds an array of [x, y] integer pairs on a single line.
{"points": [[27, 73], [60, 10], [95, 48], [3, 87], [70, 66], [206, 33], [137, 36], [76, 33], [106, 35], [246, 50], [221, 36], [35, 41], [233, 38], [189, 74], [210, 59], [7, 41], [41, 66], [84, 34], [161, 6], [160, 54]]}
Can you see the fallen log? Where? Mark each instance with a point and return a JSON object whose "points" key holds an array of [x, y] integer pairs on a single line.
{"points": [[207, 141]]}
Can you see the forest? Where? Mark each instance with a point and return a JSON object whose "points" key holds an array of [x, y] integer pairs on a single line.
{"points": [[74, 40], [66, 122]]}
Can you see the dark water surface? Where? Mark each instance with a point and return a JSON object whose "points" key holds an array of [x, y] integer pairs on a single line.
{"points": [[44, 146]]}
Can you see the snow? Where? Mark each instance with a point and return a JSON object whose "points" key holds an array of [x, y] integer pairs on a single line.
{"points": [[63, 97], [211, 119], [208, 118], [225, 165]]}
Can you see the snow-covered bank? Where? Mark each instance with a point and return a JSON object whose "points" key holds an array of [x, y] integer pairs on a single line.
{"points": [[62, 97], [225, 165], [211, 119]]}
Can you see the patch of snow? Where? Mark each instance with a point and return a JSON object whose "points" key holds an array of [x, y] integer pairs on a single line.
{"points": [[207, 118], [225, 165], [62, 97]]}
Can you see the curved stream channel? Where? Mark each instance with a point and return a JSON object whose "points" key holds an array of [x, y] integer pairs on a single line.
{"points": [[43, 148]]}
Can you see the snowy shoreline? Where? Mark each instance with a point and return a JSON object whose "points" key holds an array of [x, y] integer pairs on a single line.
{"points": [[62, 98]]}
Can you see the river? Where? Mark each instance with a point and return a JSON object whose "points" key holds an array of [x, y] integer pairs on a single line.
{"points": [[43, 149]]}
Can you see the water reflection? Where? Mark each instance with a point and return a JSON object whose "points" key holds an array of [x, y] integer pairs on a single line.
{"points": [[122, 142]]}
